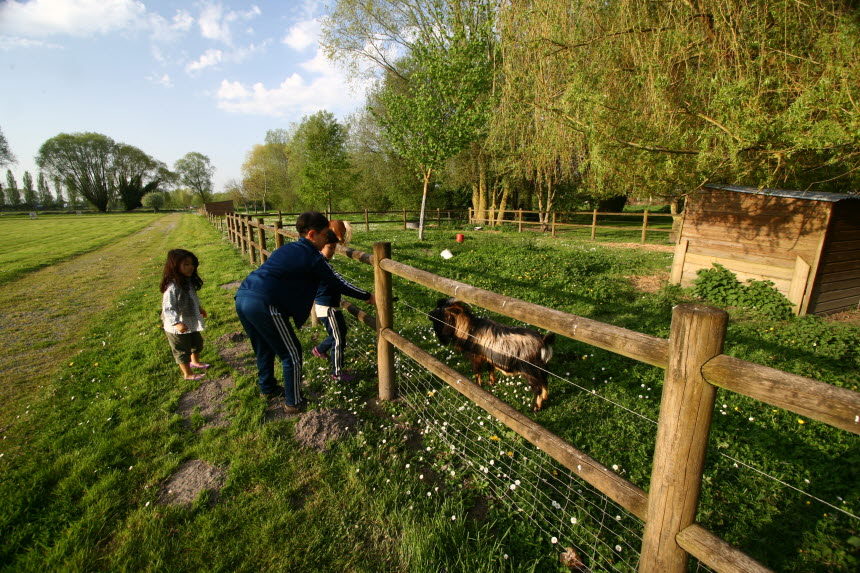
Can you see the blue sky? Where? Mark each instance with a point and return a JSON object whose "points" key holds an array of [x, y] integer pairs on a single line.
{"points": [[167, 77]]}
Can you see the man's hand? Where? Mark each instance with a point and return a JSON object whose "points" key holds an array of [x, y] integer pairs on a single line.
{"points": [[372, 299]]}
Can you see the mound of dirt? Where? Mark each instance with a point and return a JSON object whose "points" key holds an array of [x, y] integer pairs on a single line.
{"points": [[208, 398], [231, 338], [192, 478], [318, 428]]}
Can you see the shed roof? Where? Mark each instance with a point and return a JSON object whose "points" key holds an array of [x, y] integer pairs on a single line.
{"points": [[808, 195]]}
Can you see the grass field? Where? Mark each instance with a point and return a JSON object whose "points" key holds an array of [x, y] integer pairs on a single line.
{"points": [[30, 244], [87, 440]]}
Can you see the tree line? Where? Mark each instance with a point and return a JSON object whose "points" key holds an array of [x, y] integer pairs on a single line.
{"points": [[94, 170], [541, 105], [545, 105]]}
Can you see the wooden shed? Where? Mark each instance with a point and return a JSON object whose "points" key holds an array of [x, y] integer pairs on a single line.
{"points": [[218, 207], [807, 243]]}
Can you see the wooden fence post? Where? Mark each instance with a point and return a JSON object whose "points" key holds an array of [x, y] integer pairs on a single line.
{"points": [[279, 238], [697, 335], [520, 221], [384, 319], [404, 219], [644, 226], [249, 236], [261, 238], [438, 217], [366, 221], [594, 224], [553, 224]]}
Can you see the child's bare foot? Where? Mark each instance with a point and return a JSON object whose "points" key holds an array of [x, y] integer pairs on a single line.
{"points": [[195, 377], [202, 365]]}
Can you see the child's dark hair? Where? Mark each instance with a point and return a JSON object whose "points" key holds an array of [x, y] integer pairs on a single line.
{"points": [[173, 274], [331, 238], [311, 220]]}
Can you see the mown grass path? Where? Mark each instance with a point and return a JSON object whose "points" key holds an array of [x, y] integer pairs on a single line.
{"points": [[45, 312]]}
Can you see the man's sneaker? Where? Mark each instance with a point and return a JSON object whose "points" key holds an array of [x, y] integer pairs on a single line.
{"points": [[278, 391], [319, 354], [344, 377], [293, 410]]}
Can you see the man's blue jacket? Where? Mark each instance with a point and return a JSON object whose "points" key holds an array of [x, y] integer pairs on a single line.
{"points": [[290, 277]]}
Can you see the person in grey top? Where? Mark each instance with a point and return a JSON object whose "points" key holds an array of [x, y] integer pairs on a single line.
{"points": [[181, 313]]}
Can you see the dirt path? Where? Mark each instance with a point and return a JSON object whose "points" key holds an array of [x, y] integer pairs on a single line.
{"points": [[44, 313]]}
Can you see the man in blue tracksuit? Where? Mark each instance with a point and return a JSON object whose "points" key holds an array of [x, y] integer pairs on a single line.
{"points": [[284, 287]]}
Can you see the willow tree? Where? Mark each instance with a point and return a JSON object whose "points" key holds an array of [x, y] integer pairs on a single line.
{"points": [[84, 161], [642, 97]]}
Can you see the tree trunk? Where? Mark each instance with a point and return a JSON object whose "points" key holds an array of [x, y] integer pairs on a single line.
{"points": [[677, 218], [488, 203], [503, 203], [427, 175]]}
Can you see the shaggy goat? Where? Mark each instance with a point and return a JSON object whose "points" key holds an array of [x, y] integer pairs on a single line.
{"points": [[512, 350]]}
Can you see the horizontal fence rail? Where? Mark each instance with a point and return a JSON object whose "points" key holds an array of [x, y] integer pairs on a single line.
{"points": [[643, 223], [835, 406], [561, 220]]}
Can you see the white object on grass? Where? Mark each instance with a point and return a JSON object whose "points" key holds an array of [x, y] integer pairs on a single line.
{"points": [[446, 254]]}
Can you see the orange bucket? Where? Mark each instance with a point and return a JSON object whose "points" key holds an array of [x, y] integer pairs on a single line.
{"points": [[460, 238]]}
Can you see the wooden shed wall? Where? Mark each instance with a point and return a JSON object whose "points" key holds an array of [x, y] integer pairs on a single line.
{"points": [[837, 282], [219, 207], [755, 236]]}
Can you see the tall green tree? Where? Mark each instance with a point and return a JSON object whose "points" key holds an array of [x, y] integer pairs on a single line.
{"points": [[135, 175], [58, 192], [29, 191], [195, 171], [440, 110], [320, 160], [43, 192], [383, 179], [13, 196], [6, 155], [266, 177], [370, 36], [85, 162]]}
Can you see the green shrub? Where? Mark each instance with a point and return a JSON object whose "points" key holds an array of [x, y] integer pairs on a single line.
{"points": [[721, 286]]}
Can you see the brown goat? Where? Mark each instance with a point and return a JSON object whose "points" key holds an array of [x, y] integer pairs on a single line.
{"points": [[512, 350]]}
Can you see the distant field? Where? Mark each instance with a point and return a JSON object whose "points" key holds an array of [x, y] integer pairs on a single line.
{"points": [[23, 240]]}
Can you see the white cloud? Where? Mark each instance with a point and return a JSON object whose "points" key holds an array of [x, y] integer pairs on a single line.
{"points": [[303, 35], [164, 80], [208, 59], [39, 18], [215, 22], [324, 88], [213, 57], [14, 42]]}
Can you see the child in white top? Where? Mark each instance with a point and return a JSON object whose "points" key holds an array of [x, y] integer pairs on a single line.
{"points": [[181, 312]]}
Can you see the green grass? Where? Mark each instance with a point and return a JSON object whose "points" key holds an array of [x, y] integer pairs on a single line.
{"points": [[85, 454], [30, 244]]}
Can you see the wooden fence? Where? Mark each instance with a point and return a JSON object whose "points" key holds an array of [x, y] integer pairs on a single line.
{"points": [[563, 220], [557, 221], [695, 366], [404, 217]]}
